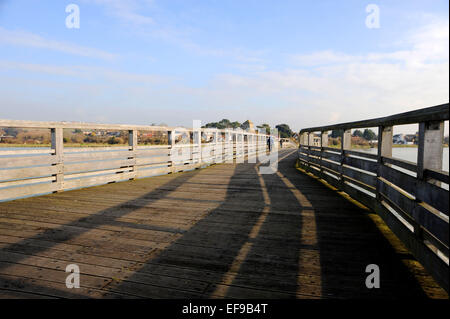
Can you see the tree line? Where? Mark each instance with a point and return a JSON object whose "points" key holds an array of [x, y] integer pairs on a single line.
{"points": [[283, 129]]}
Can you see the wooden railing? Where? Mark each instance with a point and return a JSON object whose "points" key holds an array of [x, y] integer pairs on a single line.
{"points": [[27, 172], [412, 198]]}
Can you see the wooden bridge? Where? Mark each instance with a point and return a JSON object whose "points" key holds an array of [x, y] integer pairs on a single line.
{"points": [[214, 223]]}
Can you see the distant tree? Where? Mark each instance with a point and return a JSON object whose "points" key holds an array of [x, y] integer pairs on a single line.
{"points": [[115, 140], [77, 138], [235, 124], [77, 131], [358, 133], [224, 123], [284, 130], [11, 131], [335, 133], [369, 135]]}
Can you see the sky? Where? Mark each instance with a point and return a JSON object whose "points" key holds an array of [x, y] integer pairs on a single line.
{"points": [[303, 63]]}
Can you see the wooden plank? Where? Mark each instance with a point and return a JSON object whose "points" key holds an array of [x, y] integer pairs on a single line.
{"points": [[79, 157], [95, 166], [70, 150], [433, 195], [27, 182], [400, 179], [361, 164], [9, 162], [29, 172], [361, 154], [332, 156], [28, 190], [96, 173], [91, 181], [360, 176], [433, 223], [152, 152], [438, 175], [331, 165], [80, 125], [152, 160], [411, 166], [38, 150]]}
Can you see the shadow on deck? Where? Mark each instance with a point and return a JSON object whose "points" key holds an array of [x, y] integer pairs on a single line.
{"points": [[224, 231]]}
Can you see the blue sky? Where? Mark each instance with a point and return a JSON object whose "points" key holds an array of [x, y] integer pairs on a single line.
{"points": [[304, 63]]}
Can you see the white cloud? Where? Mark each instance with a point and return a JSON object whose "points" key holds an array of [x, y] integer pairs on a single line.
{"points": [[87, 73], [322, 58], [126, 10], [163, 28], [428, 44], [28, 39], [327, 88]]}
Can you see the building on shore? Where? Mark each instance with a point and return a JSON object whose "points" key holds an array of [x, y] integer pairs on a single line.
{"points": [[248, 126]]}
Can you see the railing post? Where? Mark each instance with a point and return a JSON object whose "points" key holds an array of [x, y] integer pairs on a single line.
{"points": [[240, 148], [133, 143], [228, 144], [323, 143], [214, 148], [430, 152], [324, 139], [311, 138], [245, 144], [385, 134], [197, 142], [258, 143], [58, 147], [346, 144], [171, 142]]}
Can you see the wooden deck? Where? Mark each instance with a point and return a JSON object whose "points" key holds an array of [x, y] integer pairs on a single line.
{"points": [[222, 231]]}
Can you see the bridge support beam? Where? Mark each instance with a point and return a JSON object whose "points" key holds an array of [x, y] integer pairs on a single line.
{"points": [[133, 143], [58, 147], [385, 135], [346, 144], [430, 153]]}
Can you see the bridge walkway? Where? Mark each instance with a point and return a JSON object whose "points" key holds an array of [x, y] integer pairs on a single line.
{"points": [[223, 231]]}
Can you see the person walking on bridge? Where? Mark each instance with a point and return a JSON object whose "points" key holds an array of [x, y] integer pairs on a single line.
{"points": [[270, 143]]}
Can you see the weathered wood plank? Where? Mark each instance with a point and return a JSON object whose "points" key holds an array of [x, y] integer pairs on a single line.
{"points": [[97, 166], [28, 172], [11, 161], [361, 164]]}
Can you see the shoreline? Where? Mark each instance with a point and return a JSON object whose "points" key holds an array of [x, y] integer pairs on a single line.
{"points": [[5, 145]]}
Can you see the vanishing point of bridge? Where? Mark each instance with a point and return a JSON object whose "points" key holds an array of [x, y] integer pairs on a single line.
{"points": [[226, 230]]}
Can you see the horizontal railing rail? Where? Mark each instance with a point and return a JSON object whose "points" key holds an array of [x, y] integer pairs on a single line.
{"points": [[41, 170], [412, 198]]}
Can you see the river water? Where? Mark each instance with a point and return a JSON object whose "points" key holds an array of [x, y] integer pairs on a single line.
{"points": [[409, 154]]}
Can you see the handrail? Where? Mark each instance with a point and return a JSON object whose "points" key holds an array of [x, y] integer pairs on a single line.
{"points": [[433, 113], [408, 196], [30, 172]]}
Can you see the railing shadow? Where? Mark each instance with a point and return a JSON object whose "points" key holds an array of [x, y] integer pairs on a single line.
{"points": [[206, 251], [108, 216], [271, 266], [347, 241], [282, 235]]}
